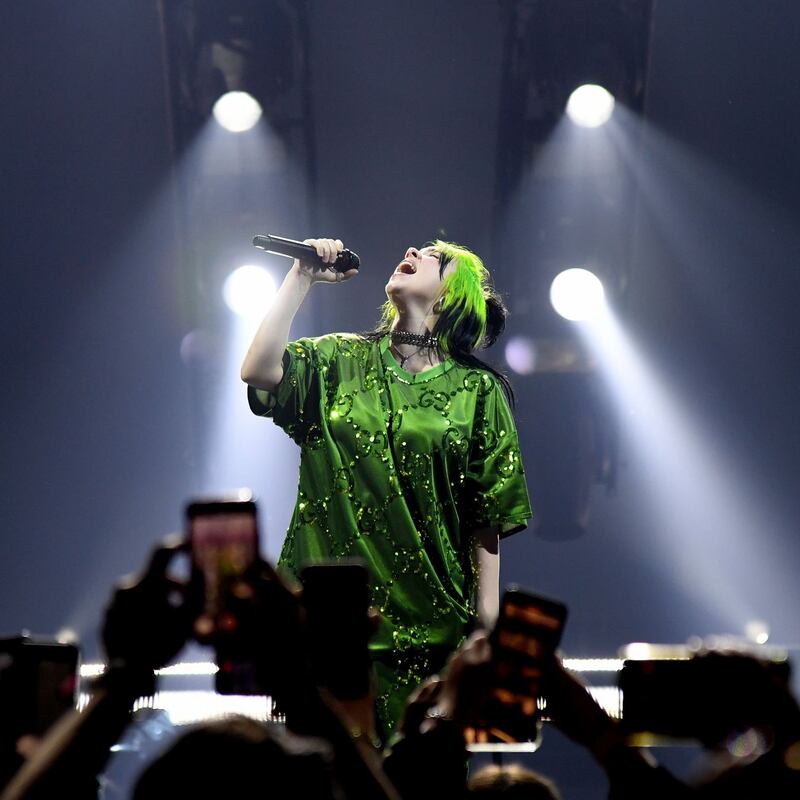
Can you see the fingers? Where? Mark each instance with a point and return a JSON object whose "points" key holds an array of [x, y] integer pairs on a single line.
{"points": [[326, 249], [475, 650], [374, 620], [427, 692], [162, 556], [155, 571]]}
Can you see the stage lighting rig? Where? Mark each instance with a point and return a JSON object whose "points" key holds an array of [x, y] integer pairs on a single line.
{"points": [[553, 48], [590, 106], [578, 295], [573, 80], [242, 126], [249, 291], [237, 112], [219, 52]]}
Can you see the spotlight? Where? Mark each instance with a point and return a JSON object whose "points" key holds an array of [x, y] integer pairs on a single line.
{"points": [[249, 291], [590, 106], [577, 295], [67, 636], [757, 631], [237, 111]]}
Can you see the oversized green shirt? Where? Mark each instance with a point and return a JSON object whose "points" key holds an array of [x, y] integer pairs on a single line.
{"points": [[397, 469]]}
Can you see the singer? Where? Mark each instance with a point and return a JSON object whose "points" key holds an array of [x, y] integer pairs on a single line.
{"points": [[409, 455]]}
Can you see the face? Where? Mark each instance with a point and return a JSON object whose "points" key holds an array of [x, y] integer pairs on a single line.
{"points": [[416, 279]]}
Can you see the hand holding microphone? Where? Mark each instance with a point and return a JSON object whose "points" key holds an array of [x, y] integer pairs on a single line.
{"points": [[323, 260]]}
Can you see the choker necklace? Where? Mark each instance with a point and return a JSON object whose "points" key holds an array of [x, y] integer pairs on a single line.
{"points": [[418, 339]]}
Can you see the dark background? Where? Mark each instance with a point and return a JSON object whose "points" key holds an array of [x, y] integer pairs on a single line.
{"points": [[105, 427]]}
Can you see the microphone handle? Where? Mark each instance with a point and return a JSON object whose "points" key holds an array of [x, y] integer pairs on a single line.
{"points": [[293, 249]]}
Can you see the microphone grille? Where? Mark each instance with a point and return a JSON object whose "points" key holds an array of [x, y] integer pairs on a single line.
{"points": [[348, 260]]}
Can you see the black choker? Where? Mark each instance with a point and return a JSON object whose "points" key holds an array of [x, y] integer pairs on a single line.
{"points": [[418, 339]]}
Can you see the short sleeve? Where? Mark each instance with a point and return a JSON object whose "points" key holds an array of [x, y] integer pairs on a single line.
{"points": [[295, 403], [496, 491]]}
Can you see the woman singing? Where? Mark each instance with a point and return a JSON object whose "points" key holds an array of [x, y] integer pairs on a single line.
{"points": [[409, 455]]}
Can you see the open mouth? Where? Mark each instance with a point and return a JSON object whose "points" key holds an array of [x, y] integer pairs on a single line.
{"points": [[406, 267]]}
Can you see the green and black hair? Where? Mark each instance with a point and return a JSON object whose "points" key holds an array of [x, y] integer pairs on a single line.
{"points": [[472, 314]]}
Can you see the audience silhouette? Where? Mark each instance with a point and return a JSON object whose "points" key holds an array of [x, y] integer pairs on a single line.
{"points": [[326, 748]]}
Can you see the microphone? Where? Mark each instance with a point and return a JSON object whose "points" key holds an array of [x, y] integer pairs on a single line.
{"points": [[292, 249]]}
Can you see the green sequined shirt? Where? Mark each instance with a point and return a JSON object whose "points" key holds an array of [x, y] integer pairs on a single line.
{"points": [[397, 469]]}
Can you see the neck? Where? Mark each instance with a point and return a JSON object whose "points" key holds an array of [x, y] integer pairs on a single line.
{"points": [[416, 326], [422, 323], [414, 358], [414, 346], [421, 341]]}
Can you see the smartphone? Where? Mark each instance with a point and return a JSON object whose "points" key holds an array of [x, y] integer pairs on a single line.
{"points": [[224, 543], [38, 682], [524, 641], [699, 697], [336, 599]]}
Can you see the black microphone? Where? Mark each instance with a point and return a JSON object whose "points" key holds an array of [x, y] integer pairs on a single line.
{"points": [[305, 252]]}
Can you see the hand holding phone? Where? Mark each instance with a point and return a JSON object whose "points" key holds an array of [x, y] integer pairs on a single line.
{"points": [[524, 641], [150, 615], [704, 695]]}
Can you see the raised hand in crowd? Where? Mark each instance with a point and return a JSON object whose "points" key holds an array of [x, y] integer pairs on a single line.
{"points": [[759, 707], [631, 773], [271, 631], [430, 758], [146, 625]]}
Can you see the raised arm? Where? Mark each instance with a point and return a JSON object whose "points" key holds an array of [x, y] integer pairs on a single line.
{"points": [[262, 367]]}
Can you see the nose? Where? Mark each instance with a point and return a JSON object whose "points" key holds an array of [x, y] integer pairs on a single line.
{"points": [[412, 252]]}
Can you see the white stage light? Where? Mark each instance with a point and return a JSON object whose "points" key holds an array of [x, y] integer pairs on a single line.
{"points": [[590, 106], [757, 631], [592, 664], [237, 111], [67, 636], [578, 295], [249, 291], [186, 707]]}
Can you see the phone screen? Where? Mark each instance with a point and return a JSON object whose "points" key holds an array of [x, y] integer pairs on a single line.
{"points": [[224, 544], [526, 635], [38, 683]]}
